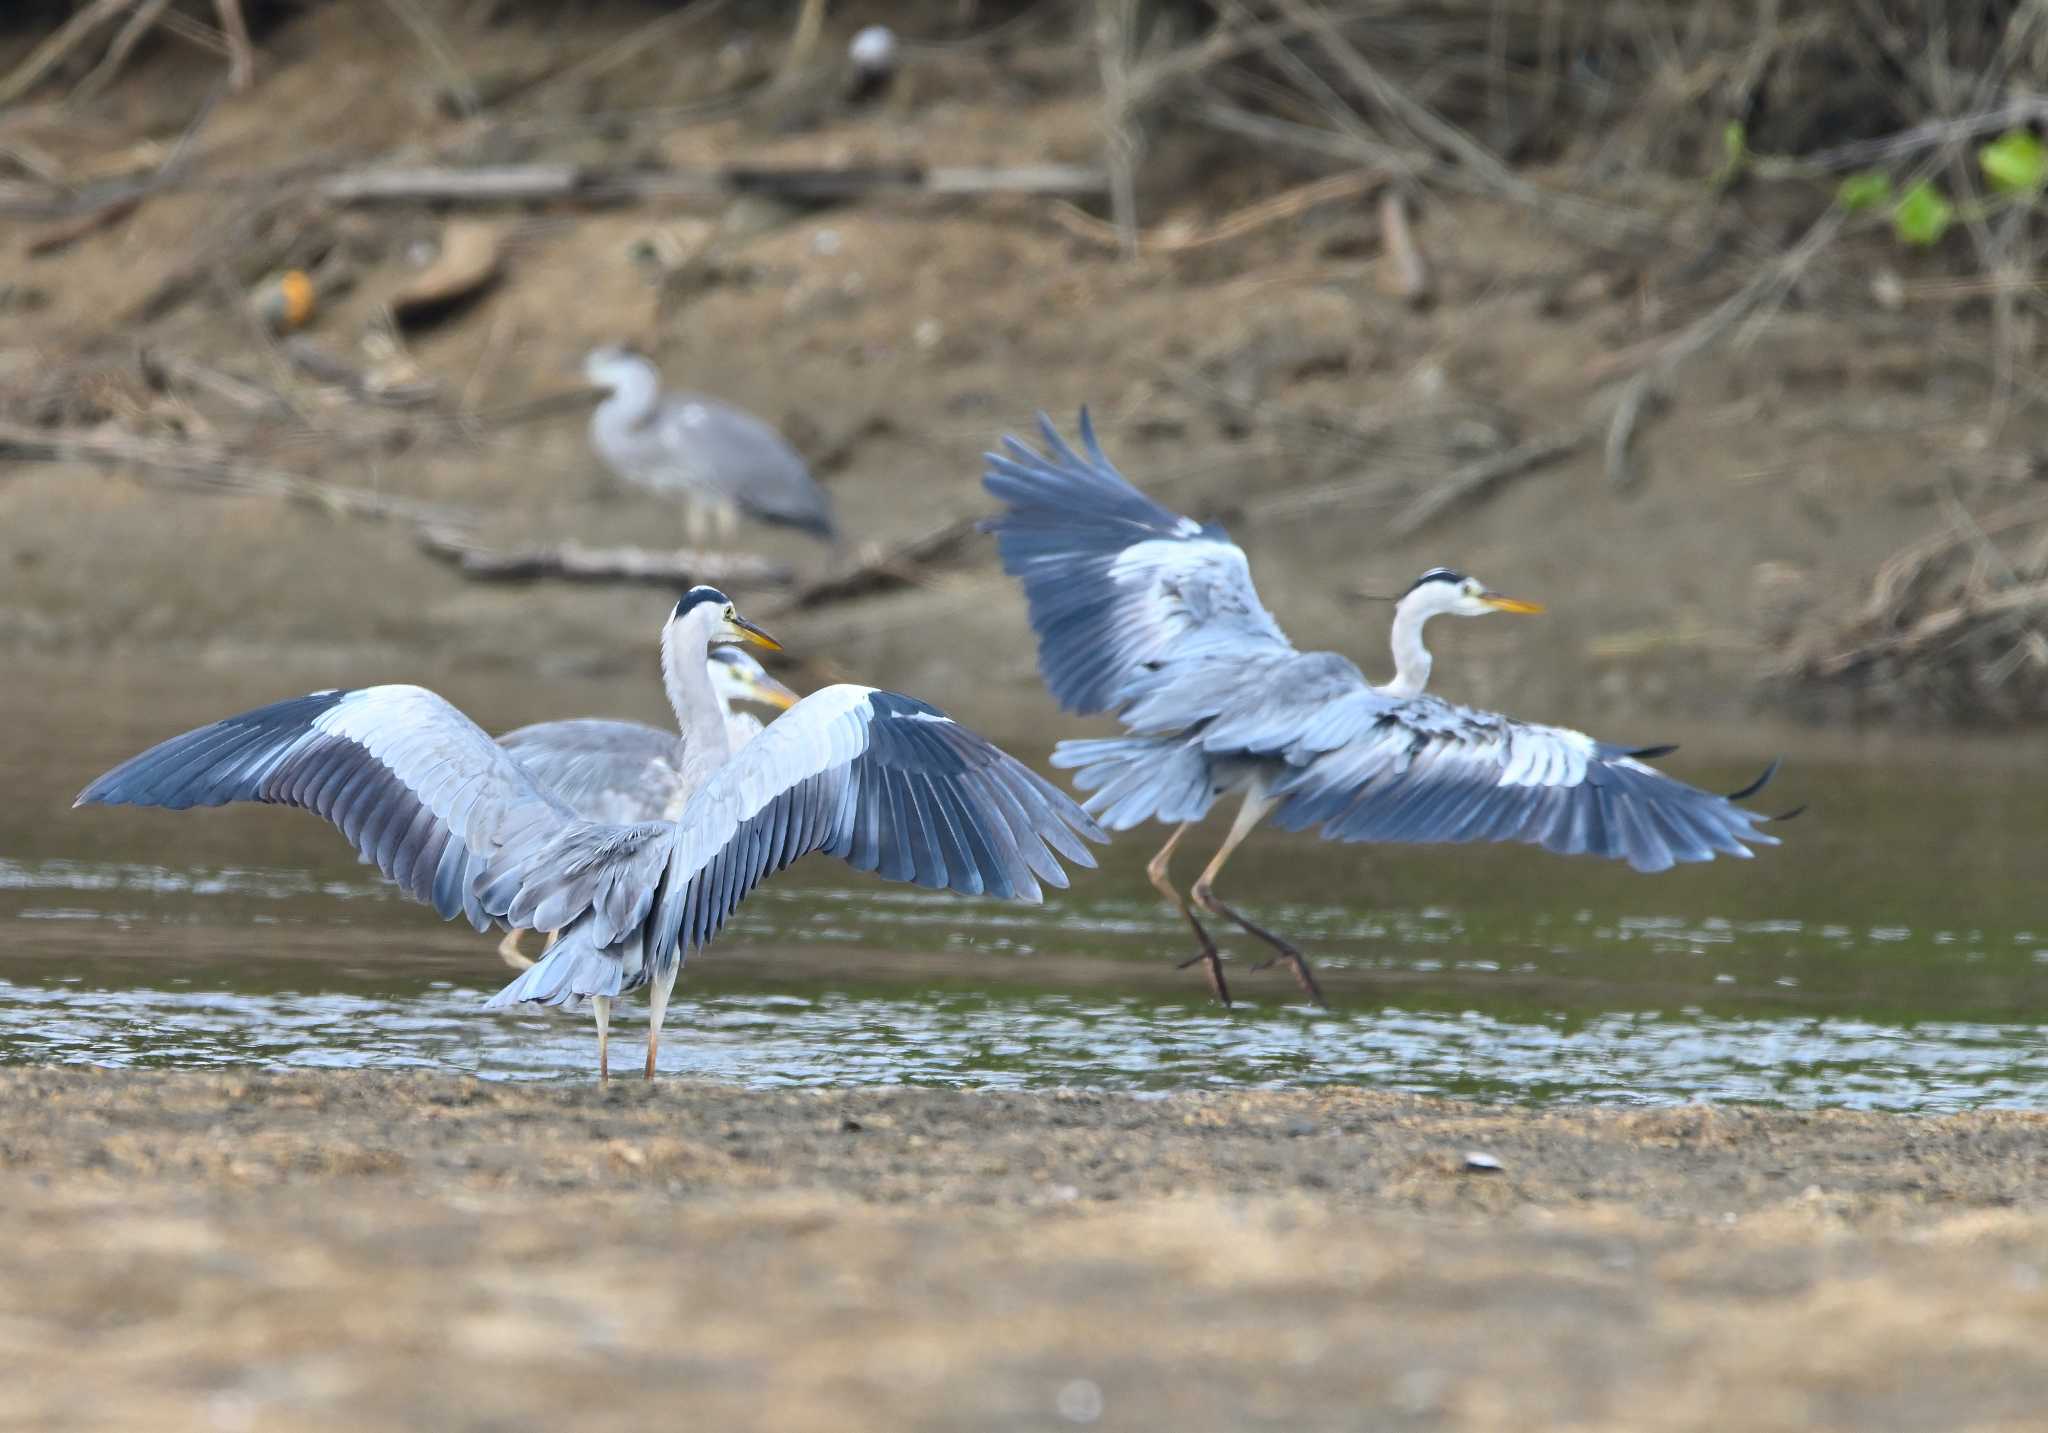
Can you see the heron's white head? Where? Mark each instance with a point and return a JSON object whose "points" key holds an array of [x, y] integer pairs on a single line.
{"points": [[712, 614], [615, 366], [1441, 591], [737, 677], [873, 50]]}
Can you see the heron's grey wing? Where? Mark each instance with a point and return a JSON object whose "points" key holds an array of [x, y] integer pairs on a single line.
{"points": [[610, 771], [1364, 766], [1128, 599], [419, 788], [735, 455], [882, 781]]}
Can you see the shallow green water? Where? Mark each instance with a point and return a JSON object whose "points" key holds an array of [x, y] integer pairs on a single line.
{"points": [[1892, 954]]}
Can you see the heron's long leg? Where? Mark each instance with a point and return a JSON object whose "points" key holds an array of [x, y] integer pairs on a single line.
{"points": [[1212, 962], [511, 954], [601, 1007], [657, 1005], [1256, 805]]}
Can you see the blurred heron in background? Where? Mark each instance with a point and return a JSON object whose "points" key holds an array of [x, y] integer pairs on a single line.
{"points": [[628, 771], [720, 460], [1152, 616], [880, 780]]}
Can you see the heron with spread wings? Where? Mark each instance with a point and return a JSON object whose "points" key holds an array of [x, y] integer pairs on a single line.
{"points": [[624, 771], [1152, 617], [883, 781]]}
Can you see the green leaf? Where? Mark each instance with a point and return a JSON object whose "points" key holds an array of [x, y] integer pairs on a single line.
{"points": [[1922, 216], [1866, 190], [1735, 143], [2014, 162]]}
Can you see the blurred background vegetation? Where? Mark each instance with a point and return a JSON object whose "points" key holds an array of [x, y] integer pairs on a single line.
{"points": [[1713, 325]]}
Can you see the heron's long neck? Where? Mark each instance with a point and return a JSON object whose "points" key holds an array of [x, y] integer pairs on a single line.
{"points": [[635, 389], [700, 716], [1411, 658]]}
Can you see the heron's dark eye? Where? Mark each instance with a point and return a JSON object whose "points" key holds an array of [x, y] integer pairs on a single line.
{"points": [[732, 614]]}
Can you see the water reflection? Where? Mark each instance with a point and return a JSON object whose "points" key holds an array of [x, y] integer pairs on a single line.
{"points": [[1052, 1040]]}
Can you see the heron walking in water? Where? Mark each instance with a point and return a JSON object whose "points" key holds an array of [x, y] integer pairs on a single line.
{"points": [[883, 781], [1152, 616], [721, 460], [627, 771]]}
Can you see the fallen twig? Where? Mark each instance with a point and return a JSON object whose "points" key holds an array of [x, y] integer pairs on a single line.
{"points": [[1486, 476], [217, 469], [902, 565], [526, 183], [1168, 239], [572, 562], [52, 52]]}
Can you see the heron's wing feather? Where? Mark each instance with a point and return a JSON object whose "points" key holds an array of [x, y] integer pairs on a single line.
{"points": [[730, 453], [882, 781], [1127, 597], [887, 784], [419, 788], [1368, 767], [611, 771]]}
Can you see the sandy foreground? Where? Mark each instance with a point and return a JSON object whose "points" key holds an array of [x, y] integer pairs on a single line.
{"points": [[333, 1250]]}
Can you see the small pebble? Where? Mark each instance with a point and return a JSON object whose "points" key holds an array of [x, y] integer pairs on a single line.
{"points": [[1479, 1162]]}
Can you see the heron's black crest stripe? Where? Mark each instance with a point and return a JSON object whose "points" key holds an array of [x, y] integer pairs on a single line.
{"points": [[1436, 574], [697, 597]]}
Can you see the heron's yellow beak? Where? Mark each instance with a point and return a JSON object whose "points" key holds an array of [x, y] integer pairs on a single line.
{"points": [[1511, 604], [748, 632], [769, 692]]}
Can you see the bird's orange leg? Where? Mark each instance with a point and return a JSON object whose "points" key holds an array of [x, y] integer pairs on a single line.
{"points": [[1212, 962], [1256, 805]]}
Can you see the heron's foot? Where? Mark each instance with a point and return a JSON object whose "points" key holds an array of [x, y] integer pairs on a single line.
{"points": [[1285, 950], [511, 954], [1211, 961]]}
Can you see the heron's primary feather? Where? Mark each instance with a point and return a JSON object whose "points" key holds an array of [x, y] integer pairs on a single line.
{"points": [[419, 788]]}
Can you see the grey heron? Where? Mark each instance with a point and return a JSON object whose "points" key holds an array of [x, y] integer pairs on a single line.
{"points": [[720, 459], [883, 781], [1151, 616], [627, 771]]}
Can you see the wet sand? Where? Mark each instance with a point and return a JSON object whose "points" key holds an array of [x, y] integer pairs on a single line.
{"points": [[354, 1250]]}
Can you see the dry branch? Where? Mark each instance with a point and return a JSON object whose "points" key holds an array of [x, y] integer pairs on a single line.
{"points": [[1172, 239], [905, 564], [572, 562], [527, 183], [217, 469], [1487, 476], [1953, 623]]}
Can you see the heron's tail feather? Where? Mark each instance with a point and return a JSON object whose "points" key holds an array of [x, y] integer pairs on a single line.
{"points": [[574, 970], [1139, 778]]}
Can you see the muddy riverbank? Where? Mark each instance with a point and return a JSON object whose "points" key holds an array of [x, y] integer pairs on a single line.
{"points": [[368, 1249]]}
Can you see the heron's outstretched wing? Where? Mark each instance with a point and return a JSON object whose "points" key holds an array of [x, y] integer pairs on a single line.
{"points": [[613, 771], [729, 452], [1363, 766], [741, 728], [882, 781], [419, 788], [1129, 601]]}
